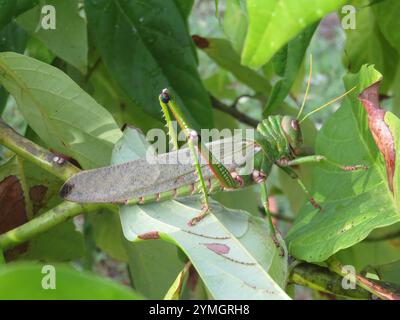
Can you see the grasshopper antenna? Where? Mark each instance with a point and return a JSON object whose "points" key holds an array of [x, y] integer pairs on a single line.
{"points": [[307, 89], [326, 104]]}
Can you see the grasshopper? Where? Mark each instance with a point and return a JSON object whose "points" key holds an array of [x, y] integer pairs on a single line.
{"points": [[277, 141]]}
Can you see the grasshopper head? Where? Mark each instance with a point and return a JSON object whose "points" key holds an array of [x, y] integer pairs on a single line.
{"points": [[291, 127], [165, 96]]}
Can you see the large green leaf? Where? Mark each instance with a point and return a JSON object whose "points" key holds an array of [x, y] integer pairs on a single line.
{"points": [[185, 6], [387, 15], [12, 38], [354, 203], [287, 63], [24, 281], [273, 23], [106, 92], [7, 8], [367, 45], [232, 251], [59, 111], [69, 39], [153, 266], [222, 52], [235, 23], [146, 47]]}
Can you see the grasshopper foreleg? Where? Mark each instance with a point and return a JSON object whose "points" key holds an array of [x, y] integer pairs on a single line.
{"points": [[318, 158]]}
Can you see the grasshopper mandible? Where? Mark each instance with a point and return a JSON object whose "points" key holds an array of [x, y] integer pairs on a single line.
{"points": [[277, 141]]}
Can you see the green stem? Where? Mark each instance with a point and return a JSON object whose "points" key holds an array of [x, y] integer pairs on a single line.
{"points": [[34, 153], [363, 282], [46, 221], [322, 279]]}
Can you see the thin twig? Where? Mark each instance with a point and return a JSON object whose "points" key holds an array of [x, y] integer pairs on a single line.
{"points": [[45, 222], [233, 111], [364, 283], [35, 153], [323, 280]]}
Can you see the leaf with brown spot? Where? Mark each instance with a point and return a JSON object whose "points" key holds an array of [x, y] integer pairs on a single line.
{"points": [[379, 128], [37, 194], [218, 248], [151, 235]]}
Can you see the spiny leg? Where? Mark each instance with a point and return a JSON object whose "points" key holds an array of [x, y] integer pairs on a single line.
{"points": [[218, 169], [294, 175], [285, 165], [260, 178], [319, 158]]}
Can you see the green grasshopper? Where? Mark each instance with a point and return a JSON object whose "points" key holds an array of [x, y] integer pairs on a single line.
{"points": [[277, 141]]}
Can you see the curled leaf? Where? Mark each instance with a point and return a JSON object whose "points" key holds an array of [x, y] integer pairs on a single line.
{"points": [[379, 128]]}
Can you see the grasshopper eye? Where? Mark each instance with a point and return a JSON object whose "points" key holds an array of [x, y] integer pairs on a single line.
{"points": [[295, 125], [164, 96]]}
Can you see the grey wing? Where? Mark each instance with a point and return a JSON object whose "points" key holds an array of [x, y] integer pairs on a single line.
{"points": [[146, 176]]}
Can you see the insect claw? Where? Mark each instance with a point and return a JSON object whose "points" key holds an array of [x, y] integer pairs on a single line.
{"points": [[316, 205], [237, 178], [258, 176]]}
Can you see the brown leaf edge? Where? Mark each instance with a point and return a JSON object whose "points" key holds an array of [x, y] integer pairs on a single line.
{"points": [[379, 128]]}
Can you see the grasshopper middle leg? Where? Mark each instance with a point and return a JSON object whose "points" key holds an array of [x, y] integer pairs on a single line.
{"points": [[196, 146]]}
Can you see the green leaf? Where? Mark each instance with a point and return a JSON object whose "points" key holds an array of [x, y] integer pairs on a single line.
{"points": [[185, 7], [366, 44], [107, 233], [12, 38], [7, 8], [389, 272], [387, 13], [273, 23], [354, 203], [106, 92], [233, 252], [222, 52], [235, 23], [153, 266], [175, 291], [24, 5], [24, 281], [36, 49], [66, 118], [370, 252], [146, 47], [287, 63], [69, 38]]}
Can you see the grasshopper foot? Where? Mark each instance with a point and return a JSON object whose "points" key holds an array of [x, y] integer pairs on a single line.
{"points": [[205, 210], [315, 204], [278, 245]]}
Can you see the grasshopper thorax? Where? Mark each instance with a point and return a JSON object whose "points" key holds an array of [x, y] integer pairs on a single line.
{"points": [[279, 137], [292, 130]]}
